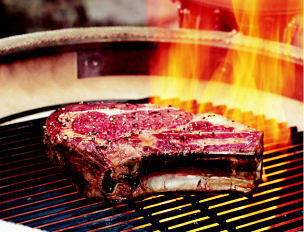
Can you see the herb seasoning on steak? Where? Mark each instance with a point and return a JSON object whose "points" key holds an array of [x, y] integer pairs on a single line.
{"points": [[118, 151]]}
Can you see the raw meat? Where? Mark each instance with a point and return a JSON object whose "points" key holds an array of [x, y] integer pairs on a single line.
{"points": [[118, 151]]}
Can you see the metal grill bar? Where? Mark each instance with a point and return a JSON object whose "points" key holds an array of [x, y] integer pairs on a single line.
{"points": [[36, 194]]}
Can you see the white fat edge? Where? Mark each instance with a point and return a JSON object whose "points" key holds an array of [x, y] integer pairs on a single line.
{"points": [[216, 120], [230, 153], [210, 141], [182, 181], [118, 111], [172, 182], [219, 120], [113, 111], [213, 141]]}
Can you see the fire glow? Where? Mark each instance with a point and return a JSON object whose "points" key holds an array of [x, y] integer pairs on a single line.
{"points": [[243, 80]]}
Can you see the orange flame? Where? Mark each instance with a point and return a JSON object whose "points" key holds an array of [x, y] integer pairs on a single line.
{"points": [[241, 82]]}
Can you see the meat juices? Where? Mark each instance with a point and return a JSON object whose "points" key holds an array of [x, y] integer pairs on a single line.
{"points": [[118, 151]]}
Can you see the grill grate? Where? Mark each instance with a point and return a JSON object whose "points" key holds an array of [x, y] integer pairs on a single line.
{"points": [[34, 193]]}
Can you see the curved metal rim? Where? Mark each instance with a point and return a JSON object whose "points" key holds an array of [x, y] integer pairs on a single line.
{"points": [[83, 36]]}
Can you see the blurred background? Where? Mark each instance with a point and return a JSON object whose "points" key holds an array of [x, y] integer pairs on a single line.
{"points": [[20, 16], [24, 16]]}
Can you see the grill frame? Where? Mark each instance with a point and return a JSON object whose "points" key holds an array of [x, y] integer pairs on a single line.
{"points": [[50, 202]]}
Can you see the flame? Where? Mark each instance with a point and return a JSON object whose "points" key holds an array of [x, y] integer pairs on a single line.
{"points": [[250, 75]]}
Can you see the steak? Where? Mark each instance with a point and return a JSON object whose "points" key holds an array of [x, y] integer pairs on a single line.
{"points": [[118, 151]]}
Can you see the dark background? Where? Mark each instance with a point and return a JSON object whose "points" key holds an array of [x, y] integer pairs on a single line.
{"points": [[24, 16]]}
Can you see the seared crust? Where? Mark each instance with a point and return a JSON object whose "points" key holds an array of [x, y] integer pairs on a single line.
{"points": [[106, 148]]}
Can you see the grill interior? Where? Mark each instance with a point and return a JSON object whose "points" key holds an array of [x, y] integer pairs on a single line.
{"points": [[34, 193]]}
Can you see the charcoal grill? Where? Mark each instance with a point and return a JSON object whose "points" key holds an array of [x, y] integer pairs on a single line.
{"points": [[34, 193]]}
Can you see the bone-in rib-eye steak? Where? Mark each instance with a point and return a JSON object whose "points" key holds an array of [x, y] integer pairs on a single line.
{"points": [[118, 151]]}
